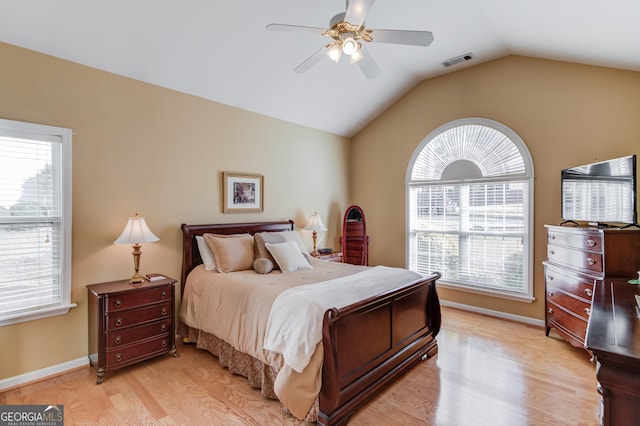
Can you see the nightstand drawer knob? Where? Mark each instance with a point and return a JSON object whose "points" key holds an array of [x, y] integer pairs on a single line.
{"points": [[163, 327], [163, 294], [591, 243], [117, 303], [164, 343], [550, 310], [118, 356], [118, 322], [118, 340], [587, 311], [588, 292], [550, 293], [590, 261], [164, 311]]}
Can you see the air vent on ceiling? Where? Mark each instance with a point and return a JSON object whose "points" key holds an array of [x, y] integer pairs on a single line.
{"points": [[458, 59]]}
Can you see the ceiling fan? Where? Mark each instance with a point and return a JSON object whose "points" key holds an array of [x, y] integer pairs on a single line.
{"points": [[348, 31]]}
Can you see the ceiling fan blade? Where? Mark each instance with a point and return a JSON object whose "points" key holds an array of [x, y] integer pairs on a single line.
{"points": [[415, 38], [357, 11], [369, 67], [297, 28], [311, 60]]}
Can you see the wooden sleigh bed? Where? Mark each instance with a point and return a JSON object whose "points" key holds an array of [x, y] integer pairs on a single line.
{"points": [[399, 329]]}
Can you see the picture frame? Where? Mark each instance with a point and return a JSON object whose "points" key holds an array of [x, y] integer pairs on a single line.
{"points": [[242, 193]]}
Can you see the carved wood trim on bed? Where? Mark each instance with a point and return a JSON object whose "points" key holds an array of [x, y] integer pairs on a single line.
{"points": [[368, 344]]}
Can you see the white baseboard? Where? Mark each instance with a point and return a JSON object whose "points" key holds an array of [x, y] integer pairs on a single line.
{"points": [[492, 313], [43, 373]]}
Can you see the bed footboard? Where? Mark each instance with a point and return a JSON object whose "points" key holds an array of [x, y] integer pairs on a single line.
{"points": [[369, 344]]}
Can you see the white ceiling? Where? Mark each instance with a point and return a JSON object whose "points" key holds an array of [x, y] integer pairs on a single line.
{"points": [[220, 50]]}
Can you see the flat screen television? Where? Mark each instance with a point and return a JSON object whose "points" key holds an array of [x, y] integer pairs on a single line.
{"points": [[601, 194]]}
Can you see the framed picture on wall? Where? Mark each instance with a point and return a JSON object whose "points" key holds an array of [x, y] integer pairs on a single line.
{"points": [[242, 193]]}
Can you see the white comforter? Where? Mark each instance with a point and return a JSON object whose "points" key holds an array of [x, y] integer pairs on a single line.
{"points": [[295, 323]]}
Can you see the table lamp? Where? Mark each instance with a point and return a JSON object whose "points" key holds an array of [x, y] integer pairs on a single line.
{"points": [[135, 232]]}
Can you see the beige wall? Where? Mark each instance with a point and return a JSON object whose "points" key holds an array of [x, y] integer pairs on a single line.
{"points": [[141, 148], [567, 114]]}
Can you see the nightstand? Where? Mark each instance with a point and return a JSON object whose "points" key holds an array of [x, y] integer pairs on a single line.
{"points": [[130, 323], [330, 257]]}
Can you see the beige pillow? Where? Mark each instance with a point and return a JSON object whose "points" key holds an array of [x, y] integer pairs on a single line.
{"points": [[262, 265], [288, 256], [231, 252], [262, 238]]}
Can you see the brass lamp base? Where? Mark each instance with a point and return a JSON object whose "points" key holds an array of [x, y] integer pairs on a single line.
{"points": [[136, 279]]}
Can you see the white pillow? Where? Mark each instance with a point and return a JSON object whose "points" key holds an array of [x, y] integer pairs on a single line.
{"points": [[206, 254], [288, 256]]}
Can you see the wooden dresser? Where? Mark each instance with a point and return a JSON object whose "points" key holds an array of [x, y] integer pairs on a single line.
{"points": [[128, 323], [577, 259]]}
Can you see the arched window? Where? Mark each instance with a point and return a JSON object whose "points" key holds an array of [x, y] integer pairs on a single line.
{"points": [[470, 208]]}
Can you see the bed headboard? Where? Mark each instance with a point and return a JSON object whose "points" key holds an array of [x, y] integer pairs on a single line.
{"points": [[190, 253]]}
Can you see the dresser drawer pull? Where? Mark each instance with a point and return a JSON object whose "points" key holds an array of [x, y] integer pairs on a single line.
{"points": [[588, 292], [590, 261], [550, 310], [117, 303], [163, 294], [587, 311], [590, 243], [164, 311], [550, 277], [118, 340], [552, 252], [164, 343], [118, 356], [550, 293], [118, 322], [163, 327]]}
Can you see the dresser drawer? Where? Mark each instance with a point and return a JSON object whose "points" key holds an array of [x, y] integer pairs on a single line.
{"points": [[124, 337], [576, 284], [584, 240], [133, 353], [580, 307], [118, 320], [577, 259], [568, 322], [127, 300]]}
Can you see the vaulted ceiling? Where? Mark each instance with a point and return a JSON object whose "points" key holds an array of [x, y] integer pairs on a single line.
{"points": [[220, 50]]}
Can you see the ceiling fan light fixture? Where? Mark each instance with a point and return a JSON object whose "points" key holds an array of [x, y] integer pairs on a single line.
{"points": [[356, 56], [334, 52], [349, 44]]}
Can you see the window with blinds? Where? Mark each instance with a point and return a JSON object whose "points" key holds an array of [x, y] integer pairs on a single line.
{"points": [[470, 197], [35, 221]]}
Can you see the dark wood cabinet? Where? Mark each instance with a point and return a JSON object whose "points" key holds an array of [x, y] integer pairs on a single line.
{"points": [[613, 336], [578, 258], [354, 242], [130, 323]]}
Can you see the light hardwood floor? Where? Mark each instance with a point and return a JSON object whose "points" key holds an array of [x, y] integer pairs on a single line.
{"points": [[487, 372]]}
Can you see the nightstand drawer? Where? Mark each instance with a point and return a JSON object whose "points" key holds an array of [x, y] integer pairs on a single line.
{"points": [[124, 337], [133, 353], [118, 320], [120, 301]]}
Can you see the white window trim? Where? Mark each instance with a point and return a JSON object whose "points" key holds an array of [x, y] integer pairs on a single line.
{"points": [[529, 171], [21, 128]]}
